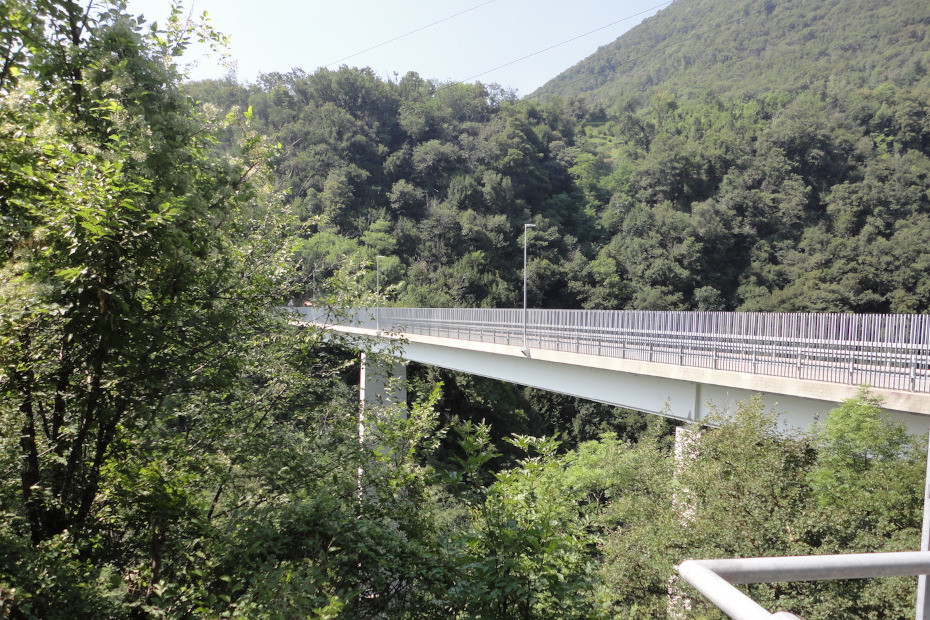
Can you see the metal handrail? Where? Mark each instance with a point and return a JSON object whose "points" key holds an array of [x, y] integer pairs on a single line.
{"points": [[889, 351], [714, 579]]}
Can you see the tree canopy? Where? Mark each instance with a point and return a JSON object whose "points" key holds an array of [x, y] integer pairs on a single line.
{"points": [[171, 445], [722, 186]]}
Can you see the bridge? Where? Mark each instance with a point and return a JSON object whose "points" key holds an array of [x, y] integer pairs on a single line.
{"points": [[679, 364], [682, 365]]}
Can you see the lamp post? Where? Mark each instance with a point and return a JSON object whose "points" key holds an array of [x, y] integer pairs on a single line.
{"points": [[525, 228], [378, 292]]}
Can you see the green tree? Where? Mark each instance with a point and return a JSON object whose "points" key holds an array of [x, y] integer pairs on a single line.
{"points": [[754, 488], [525, 555], [134, 263]]}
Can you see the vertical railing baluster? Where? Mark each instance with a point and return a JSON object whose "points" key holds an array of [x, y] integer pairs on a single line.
{"points": [[912, 357]]}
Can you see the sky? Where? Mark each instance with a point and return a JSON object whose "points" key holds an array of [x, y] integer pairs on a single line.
{"points": [[472, 38]]}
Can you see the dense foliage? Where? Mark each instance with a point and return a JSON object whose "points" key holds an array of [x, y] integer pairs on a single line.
{"points": [[693, 47], [751, 489], [163, 429], [171, 446], [795, 177]]}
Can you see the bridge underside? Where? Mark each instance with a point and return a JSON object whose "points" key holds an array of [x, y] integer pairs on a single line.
{"points": [[680, 392], [675, 398]]}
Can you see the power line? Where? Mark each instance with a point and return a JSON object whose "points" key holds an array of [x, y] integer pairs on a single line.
{"points": [[444, 19], [575, 38], [769, 9], [552, 47]]}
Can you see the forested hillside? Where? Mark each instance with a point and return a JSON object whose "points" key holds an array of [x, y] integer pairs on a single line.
{"points": [[754, 47], [794, 177]]}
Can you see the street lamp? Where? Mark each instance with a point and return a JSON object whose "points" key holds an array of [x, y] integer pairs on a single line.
{"points": [[525, 228], [378, 292]]}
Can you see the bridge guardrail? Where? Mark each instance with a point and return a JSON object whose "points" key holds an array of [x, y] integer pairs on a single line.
{"points": [[882, 350]]}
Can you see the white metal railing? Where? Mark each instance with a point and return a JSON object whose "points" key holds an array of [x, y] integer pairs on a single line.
{"points": [[715, 579], [881, 350]]}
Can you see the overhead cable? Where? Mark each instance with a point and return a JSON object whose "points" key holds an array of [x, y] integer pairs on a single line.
{"points": [[768, 8], [552, 47], [444, 19]]}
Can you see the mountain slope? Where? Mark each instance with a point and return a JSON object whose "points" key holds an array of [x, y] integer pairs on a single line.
{"points": [[768, 156], [754, 46]]}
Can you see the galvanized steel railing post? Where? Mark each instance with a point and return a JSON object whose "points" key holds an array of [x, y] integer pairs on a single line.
{"points": [[913, 373]]}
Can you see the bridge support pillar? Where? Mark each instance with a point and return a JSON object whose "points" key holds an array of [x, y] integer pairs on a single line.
{"points": [[383, 382], [678, 605]]}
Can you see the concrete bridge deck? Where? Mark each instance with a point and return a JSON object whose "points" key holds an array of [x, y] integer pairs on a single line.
{"points": [[678, 364]]}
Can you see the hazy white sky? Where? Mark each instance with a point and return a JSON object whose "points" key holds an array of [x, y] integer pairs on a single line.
{"points": [[278, 35]]}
